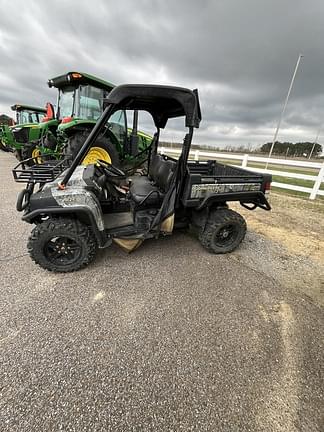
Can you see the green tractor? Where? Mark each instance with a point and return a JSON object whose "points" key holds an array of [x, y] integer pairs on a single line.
{"points": [[79, 105], [5, 123], [15, 137]]}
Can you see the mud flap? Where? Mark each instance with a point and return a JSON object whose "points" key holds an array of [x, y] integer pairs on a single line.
{"points": [[128, 245], [167, 225]]}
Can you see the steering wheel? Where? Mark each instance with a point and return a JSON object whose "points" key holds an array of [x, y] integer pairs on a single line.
{"points": [[110, 169]]}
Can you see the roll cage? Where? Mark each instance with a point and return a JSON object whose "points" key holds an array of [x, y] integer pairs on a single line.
{"points": [[162, 102]]}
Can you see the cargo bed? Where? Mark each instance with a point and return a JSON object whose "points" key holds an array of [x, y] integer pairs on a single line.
{"points": [[211, 180]]}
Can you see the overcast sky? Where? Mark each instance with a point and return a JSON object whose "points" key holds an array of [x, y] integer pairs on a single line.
{"points": [[239, 54]]}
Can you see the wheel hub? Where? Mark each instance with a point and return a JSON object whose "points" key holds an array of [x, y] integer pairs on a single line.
{"points": [[62, 249], [36, 154], [96, 153], [225, 235]]}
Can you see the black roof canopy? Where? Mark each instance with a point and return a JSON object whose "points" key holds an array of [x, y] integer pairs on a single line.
{"points": [[79, 78], [162, 102]]}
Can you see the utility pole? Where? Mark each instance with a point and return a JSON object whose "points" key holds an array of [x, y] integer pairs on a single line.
{"points": [[283, 109], [315, 142]]}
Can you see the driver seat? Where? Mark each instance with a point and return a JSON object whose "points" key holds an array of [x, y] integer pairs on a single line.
{"points": [[147, 191]]}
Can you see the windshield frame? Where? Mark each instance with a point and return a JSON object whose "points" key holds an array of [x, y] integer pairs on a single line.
{"points": [[63, 91]]}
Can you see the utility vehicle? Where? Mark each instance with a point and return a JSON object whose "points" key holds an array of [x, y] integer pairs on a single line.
{"points": [[77, 208], [14, 137], [79, 105]]}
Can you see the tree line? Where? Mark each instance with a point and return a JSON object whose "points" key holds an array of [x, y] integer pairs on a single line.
{"points": [[290, 149]]}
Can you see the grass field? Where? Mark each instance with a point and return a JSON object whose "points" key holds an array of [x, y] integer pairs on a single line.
{"points": [[286, 180]]}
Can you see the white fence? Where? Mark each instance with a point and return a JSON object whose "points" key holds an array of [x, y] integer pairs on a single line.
{"points": [[246, 158]]}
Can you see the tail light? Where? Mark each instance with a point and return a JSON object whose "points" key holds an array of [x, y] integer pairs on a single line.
{"points": [[267, 187]]}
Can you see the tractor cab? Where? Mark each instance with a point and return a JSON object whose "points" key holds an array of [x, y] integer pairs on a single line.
{"points": [[27, 114], [79, 105], [80, 96]]}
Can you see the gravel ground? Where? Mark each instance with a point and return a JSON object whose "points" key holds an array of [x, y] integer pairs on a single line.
{"points": [[169, 338], [292, 237]]}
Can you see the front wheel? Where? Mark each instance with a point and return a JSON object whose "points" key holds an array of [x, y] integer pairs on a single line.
{"points": [[62, 245], [3, 146], [30, 150], [224, 231]]}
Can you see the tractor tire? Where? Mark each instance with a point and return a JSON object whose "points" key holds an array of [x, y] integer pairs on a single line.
{"points": [[17, 154], [30, 150], [103, 149], [62, 245], [50, 142], [3, 147], [224, 231]]}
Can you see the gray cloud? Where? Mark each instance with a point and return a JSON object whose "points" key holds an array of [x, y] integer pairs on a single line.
{"points": [[240, 55]]}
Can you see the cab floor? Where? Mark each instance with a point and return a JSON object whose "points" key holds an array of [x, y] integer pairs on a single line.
{"points": [[115, 220]]}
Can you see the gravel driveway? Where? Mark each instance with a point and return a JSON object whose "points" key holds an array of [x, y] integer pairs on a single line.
{"points": [[169, 338]]}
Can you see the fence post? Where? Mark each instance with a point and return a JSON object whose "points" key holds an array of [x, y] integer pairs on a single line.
{"points": [[245, 161], [317, 183], [197, 155]]}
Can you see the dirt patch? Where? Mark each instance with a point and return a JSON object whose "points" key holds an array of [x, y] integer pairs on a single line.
{"points": [[295, 254], [296, 243]]}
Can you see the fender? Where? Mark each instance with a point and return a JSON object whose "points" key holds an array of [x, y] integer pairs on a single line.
{"points": [[81, 213], [256, 198]]}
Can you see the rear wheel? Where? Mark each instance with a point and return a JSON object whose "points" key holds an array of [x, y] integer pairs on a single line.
{"points": [[224, 231], [102, 149], [62, 245]]}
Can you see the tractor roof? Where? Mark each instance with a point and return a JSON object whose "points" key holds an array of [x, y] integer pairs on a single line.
{"points": [[162, 102], [22, 107], [77, 78]]}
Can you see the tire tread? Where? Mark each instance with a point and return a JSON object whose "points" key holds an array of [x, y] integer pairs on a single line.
{"points": [[72, 226], [217, 219]]}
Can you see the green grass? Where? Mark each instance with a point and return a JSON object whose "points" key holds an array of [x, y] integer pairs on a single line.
{"points": [[297, 182], [294, 193], [306, 171]]}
